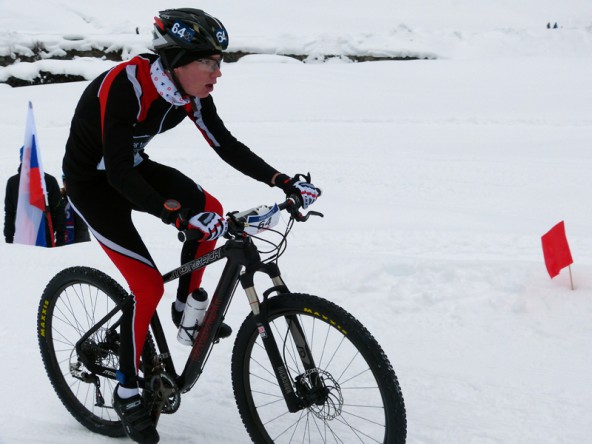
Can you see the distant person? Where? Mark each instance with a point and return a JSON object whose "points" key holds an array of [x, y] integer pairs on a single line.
{"points": [[109, 176], [55, 208], [76, 229]]}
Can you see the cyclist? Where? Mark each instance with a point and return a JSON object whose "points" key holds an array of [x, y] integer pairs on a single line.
{"points": [[109, 175]]}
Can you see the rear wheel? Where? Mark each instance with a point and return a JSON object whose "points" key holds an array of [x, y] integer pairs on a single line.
{"points": [[352, 394], [73, 302]]}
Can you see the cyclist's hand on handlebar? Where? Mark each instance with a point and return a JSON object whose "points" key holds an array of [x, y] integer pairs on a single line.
{"points": [[307, 192], [210, 225]]}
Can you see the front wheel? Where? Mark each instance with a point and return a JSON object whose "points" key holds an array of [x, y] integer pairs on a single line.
{"points": [[357, 398]]}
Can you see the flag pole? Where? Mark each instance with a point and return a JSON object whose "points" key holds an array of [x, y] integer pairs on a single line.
{"points": [[570, 277]]}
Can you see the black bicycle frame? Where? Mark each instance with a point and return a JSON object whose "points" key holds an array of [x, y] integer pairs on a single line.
{"points": [[240, 254]]}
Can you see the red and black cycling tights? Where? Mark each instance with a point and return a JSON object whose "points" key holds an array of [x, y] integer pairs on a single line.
{"points": [[109, 217]]}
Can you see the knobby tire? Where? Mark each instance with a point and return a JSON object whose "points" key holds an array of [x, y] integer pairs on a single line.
{"points": [[365, 403], [73, 301]]}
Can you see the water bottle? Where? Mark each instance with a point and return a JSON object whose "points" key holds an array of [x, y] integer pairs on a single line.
{"points": [[193, 316]]}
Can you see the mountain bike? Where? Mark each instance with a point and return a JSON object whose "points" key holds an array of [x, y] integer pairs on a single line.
{"points": [[303, 369]]}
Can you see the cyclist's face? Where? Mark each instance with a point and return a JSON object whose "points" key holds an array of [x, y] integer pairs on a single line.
{"points": [[199, 77]]}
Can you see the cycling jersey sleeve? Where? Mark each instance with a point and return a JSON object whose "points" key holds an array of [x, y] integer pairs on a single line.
{"points": [[232, 151]]}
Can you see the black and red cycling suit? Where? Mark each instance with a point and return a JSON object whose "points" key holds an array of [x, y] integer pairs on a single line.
{"points": [[109, 175]]}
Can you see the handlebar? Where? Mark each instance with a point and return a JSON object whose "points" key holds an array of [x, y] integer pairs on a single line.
{"points": [[237, 220]]}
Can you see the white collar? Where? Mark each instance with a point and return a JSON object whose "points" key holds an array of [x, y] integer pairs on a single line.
{"points": [[165, 86]]}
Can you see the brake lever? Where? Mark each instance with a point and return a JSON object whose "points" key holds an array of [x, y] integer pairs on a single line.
{"points": [[235, 226], [299, 217], [295, 203], [303, 177]]}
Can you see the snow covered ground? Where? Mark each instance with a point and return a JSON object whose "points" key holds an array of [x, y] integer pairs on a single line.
{"points": [[439, 178]]}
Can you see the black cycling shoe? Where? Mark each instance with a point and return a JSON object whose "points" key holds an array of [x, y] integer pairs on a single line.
{"points": [[176, 315], [135, 418], [224, 331]]}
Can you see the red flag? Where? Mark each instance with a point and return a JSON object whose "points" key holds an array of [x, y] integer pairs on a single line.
{"points": [[36, 182], [556, 249]]}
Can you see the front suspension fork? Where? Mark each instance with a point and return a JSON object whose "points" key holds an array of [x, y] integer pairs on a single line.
{"points": [[260, 314]]}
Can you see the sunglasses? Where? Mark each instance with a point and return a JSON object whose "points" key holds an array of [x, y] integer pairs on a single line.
{"points": [[210, 64]]}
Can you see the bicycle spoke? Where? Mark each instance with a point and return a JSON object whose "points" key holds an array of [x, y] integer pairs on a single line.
{"points": [[358, 433], [346, 402]]}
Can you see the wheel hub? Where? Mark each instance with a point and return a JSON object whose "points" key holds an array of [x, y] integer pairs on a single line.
{"points": [[321, 393]]}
